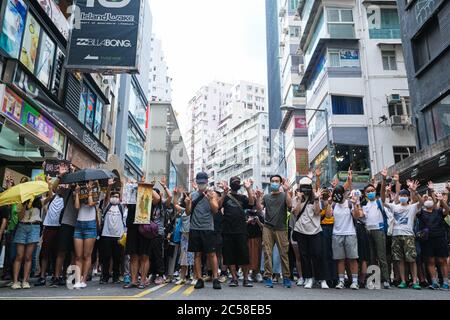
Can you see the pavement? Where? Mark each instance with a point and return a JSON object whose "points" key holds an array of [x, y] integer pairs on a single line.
{"points": [[95, 291]]}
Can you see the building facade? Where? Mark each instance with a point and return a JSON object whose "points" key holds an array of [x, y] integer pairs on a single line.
{"points": [[160, 83], [355, 73]]}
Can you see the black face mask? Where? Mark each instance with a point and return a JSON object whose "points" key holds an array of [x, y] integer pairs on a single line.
{"points": [[235, 186], [338, 197]]}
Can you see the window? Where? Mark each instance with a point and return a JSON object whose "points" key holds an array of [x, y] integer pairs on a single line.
{"points": [[383, 24], [401, 153], [356, 156], [137, 107], [437, 119], [428, 44], [347, 105], [340, 23], [343, 58], [90, 112], [214, 117], [135, 146], [389, 60], [293, 5]]}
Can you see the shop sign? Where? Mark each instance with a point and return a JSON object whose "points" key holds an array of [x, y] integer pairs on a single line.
{"points": [[12, 105], [13, 27], [54, 13]]}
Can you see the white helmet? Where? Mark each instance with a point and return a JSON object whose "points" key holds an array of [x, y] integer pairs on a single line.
{"points": [[305, 181]]}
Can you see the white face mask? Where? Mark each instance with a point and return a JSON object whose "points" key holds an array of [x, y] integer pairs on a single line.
{"points": [[115, 200], [429, 204]]}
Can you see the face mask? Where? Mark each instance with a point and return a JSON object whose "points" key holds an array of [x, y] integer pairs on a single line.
{"points": [[338, 197], [236, 186], [371, 196], [114, 200], [403, 200], [202, 186], [275, 187], [429, 204]]}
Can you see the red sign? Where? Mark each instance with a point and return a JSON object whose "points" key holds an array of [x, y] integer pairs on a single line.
{"points": [[300, 122]]}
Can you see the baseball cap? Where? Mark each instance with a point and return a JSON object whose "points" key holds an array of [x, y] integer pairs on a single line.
{"points": [[202, 177], [404, 192]]}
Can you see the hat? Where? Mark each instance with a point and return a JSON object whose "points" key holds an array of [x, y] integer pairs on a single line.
{"points": [[233, 179], [201, 177], [305, 180], [404, 192]]}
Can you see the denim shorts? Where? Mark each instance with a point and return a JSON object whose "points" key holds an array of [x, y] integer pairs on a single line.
{"points": [[85, 230], [27, 234]]}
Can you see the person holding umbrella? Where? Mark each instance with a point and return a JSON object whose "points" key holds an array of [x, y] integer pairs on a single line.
{"points": [[85, 233]]}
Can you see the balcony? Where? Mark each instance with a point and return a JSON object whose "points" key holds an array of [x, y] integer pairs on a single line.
{"points": [[384, 33]]}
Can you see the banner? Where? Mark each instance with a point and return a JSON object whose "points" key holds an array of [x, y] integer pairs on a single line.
{"points": [[51, 167], [12, 105], [130, 193], [13, 27], [106, 36], [30, 43], [144, 204]]}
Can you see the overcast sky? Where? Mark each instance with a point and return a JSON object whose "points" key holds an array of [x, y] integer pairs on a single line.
{"points": [[206, 40]]}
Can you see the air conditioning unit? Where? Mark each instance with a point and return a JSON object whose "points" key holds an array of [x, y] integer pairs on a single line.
{"points": [[400, 121], [394, 98]]}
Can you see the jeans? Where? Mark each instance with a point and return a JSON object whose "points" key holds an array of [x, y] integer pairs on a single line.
{"points": [[276, 261]]}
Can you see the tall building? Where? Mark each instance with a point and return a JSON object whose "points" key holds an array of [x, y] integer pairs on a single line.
{"points": [[133, 102], [426, 43], [355, 70], [160, 84], [242, 146], [204, 115]]}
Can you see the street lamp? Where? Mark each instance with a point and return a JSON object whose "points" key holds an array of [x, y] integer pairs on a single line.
{"points": [[330, 151]]}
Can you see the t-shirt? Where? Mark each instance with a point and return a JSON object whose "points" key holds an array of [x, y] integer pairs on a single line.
{"points": [[158, 216], [32, 215], [403, 218], [202, 217], [86, 213], [113, 225], [185, 222], [70, 214], [54, 210], [253, 229], [234, 217], [309, 222], [434, 221], [276, 211], [373, 217], [343, 219]]}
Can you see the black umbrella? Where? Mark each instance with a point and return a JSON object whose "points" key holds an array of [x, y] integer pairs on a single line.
{"points": [[87, 175]]}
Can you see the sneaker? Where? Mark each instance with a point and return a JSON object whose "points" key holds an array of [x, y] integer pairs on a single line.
{"points": [[141, 285], [268, 283], [324, 284], [16, 286], [287, 283], [159, 280], [223, 278], [180, 282], [54, 283], [233, 283], [354, 286], [416, 286], [386, 285], [26, 285], [259, 278], [249, 278], [402, 285], [103, 280], [62, 282], [300, 282], [116, 280], [444, 287], [247, 284], [434, 286], [130, 285], [340, 285], [207, 278], [200, 284], [41, 282], [193, 282], [83, 285], [169, 280], [216, 284], [77, 285], [309, 283]]}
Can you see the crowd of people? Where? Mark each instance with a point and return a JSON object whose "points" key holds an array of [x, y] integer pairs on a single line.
{"points": [[233, 234]]}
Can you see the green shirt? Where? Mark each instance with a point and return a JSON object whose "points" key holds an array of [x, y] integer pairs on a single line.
{"points": [[14, 218]]}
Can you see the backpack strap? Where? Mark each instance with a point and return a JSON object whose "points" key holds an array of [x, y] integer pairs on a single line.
{"points": [[196, 202], [383, 212], [236, 201]]}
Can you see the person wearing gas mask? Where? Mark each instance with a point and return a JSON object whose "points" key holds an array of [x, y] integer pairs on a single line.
{"points": [[308, 233], [403, 238], [276, 205], [373, 216], [201, 206], [434, 238], [234, 227], [344, 241], [112, 229]]}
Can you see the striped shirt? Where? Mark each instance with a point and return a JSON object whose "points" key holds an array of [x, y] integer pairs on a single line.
{"points": [[54, 211]]}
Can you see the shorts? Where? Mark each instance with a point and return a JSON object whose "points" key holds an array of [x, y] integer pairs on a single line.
{"points": [[27, 233], [85, 230], [235, 250], [363, 242], [435, 248], [65, 238], [345, 247], [186, 257], [202, 241], [404, 248], [49, 241], [136, 244]]}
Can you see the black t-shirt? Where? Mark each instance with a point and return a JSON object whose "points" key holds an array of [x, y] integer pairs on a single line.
{"points": [[131, 215], [218, 219], [234, 217], [253, 229], [5, 211], [434, 221]]}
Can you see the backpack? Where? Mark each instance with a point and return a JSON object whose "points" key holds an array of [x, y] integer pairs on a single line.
{"points": [[106, 211]]}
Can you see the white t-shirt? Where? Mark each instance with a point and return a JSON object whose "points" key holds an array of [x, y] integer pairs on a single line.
{"points": [[308, 223], [373, 216], [32, 215], [404, 218], [54, 212], [113, 224], [343, 220], [86, 213]]}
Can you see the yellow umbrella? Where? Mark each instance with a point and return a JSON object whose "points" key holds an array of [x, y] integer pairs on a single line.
{"points": [[23, 192]]}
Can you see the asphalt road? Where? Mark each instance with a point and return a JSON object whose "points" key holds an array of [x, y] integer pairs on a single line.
{"points": [[94, 291]]}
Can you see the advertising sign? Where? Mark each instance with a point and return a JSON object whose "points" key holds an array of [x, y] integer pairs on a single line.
{"points": [[30, 43], [46, 60], [349, 58], [144, 204], [55, 14], [106, 36], [13, 27], [301, 126], [12, 105]]}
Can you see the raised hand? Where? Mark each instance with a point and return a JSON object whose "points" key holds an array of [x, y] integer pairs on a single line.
{"points": [[318, 172], [396, 177], [439, 196], [384, 173], [210, 195], [318, 193], [259, 193], [110, 182], [334, 183], [248, 184], [285, 184], [350, 173], [187, 199], [77, 189], [414, 185], [194, 186], [430, 185]]}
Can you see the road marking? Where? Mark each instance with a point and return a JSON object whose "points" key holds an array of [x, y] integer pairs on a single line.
{"points": [[146, 292], [188, 291], [171, 291]]}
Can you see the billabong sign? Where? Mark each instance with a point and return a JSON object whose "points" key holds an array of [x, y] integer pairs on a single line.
{"points": [[102, 25]]}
